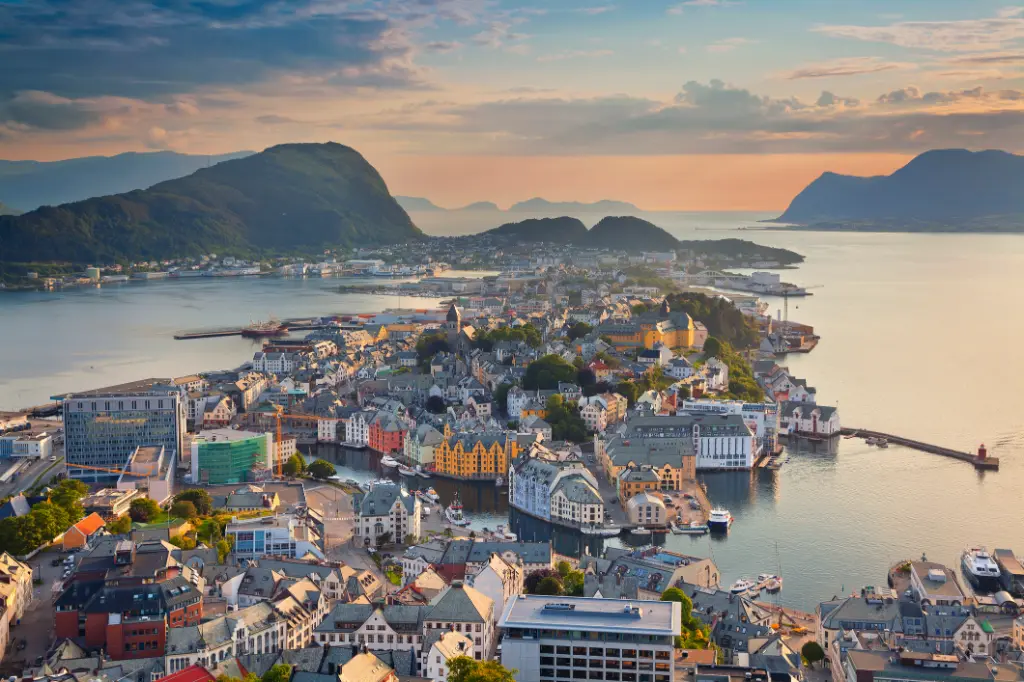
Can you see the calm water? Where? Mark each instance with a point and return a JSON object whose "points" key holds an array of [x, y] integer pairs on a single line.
{"points": [[920, 337]]}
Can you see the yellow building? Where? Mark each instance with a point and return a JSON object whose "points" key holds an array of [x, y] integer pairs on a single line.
{"points": [[475, 455], [675, 330]]}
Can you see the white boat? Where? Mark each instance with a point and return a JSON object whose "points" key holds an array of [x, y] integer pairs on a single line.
{"points": [[499, 481], [432, 495], [505, 534], [389, 461], [720, 520], [742, 586], [406, 471], [453, 513], [691, 528], [980, 569], [424, 511], [605, 531], [421, 473], [773, 584]]}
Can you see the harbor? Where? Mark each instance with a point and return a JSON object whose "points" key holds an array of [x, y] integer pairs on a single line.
{"points": [[981, 461]]}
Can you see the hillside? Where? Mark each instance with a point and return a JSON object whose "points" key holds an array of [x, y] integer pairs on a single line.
{"points": [[7, 210], [628, 233], [563, 230], [418, 204], [938, 190], [31, 184], [480, 206], [288, 198], [740, 249]]}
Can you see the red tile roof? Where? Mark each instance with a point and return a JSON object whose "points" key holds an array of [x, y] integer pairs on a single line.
{"points": [[193, 673], [90, 524]]}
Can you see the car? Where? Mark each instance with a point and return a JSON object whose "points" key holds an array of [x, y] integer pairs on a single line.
{"points": [[56, 562], [53, 458]]}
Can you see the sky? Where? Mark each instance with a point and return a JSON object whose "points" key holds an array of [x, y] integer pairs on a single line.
{"points": [[670, 104]]}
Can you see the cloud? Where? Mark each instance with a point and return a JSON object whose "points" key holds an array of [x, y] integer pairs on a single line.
{"points": [[45, 111], [274, 119], [989, 58], [442, 46], [727, 44], [914, 96], [599, 9], [678, 9], [854, 66], [828, 99], [967, 35], [574, 54]]}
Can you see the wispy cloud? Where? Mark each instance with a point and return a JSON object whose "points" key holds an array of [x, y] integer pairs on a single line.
{"points": [[728, 44], [594, 11], [442, 46], [574, 54], [854, 66], [966, 35]]}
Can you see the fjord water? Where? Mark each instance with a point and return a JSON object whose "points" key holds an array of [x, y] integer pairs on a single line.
{"points": [[920, 337]]}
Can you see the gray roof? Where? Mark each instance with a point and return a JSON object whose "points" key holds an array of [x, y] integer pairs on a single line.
{"points": [[381, 498], [861, 610], [578, 489], [459, 603], [656, 452], [432, 552], [610, 586], [530, 552], [788, 407]]}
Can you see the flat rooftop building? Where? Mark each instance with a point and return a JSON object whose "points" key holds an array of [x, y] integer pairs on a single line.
{"points": [[564, 638]]}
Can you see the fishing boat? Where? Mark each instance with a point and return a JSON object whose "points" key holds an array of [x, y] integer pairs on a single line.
{"points": [[406, 471], [742, 586], [389, 461], [432, 495], [691, 528], [720, 520], [453, 513]]}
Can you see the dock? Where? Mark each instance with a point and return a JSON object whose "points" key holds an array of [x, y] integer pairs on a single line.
{"points": [[981, 460]]}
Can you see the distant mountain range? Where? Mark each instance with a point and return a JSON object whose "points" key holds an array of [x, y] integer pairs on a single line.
{"points": [[31, 184], [628, 233], [536, 205], [940, 190], [288, 198]]}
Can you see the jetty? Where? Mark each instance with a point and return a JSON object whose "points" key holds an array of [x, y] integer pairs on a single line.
{"points": [[981, 460]]}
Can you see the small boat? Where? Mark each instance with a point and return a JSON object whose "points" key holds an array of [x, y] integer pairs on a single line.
{"points": [[453, 513], [503, 533], [421, 473], [432, 495], [606, 531], [774, 584], [871, 441], [742, 586], [692, 528], [406, 471], [720, 520], [389, 461], [640, 531], [499, 481]]}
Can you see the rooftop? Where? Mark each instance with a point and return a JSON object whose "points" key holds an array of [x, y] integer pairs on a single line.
{"points": [[597, 615]]}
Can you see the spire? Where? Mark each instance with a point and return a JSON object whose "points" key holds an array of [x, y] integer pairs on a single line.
{"points": [[665, 310], [453, 314]]}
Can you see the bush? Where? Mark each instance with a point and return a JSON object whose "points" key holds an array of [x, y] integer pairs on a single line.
{"points": [[321, 469], [122, 526], [294, 466], [143, 509], [184, 510], [199, 497], [436, 405]]}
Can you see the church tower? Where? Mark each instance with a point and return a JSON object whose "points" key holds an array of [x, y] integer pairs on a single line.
{"points": [[452, 326]]}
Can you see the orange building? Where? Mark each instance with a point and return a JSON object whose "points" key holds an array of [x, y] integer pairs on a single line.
{"points": [[475, 455]]}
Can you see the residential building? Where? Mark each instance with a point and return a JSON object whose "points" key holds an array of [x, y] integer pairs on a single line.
{"points": [[218, 413], [498, 579], [536, 425], [673, 461], [719, 441], [636, 480], [646, 509], [247, 389], [593, 416], [357, 428], [388, 510], [544, 638], [104, 426], [258, 629], [280, 535], [439, 648], [655, 569], [421, 443], [15, 587], [809, 419], [899, 666], [387, 433], [761, 418], [80, 534], [557, 491], [225, 456], [475, 455]]}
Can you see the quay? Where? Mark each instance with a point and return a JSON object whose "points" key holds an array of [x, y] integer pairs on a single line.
{"points": [[981, 460]]}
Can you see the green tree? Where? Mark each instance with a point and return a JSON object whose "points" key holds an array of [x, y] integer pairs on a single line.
{"points": [[431, 344], [501, 396], [184, 510], [465, 669], [579, 330], [549, 586], [712, 347], [629, 391], [693, 633], [812, 653], [573, 584], [322, 469], [547, 372], [436, 405], [142, 509], [563, 568], [199, 497], [223, 549], [279, 673], [294, 466], [183, 541], [122, 526]]}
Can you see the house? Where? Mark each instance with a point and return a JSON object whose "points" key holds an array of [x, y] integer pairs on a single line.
{"points": [[498, 580], [218, 413], [79, 535], [536, 425], [439, 648], [387, 513], [679, 368], [357, 428], [934, 584], [593, 416], [387, 432], [555, 490], [809, 419], [647, 509], [15, 587], [420, 444]]}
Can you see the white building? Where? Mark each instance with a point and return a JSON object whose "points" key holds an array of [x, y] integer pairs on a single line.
{"points": [[761, 418], [499, 580], [438, 651], [716, 375], [39, 445], [810, 419], [281, 535], [594, 416], [559, 491], [275, 363], [388, 509], [720, 441], [357, 428], [605, 634], [646, 509]]}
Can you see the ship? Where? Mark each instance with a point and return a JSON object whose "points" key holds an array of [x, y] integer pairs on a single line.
{"points": [[454, 513], [980, 569], [720, 520], [257, 330]]}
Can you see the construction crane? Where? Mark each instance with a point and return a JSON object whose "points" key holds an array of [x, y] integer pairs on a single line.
{"points": [[785, 302], [280, 414]]}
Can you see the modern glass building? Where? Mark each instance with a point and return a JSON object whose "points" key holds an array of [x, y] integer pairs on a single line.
{"points": [[222, 456], [103, 427]]}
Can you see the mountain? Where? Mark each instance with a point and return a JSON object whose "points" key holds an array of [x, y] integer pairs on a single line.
{"points": [[563, 230], [418, 204], [937, 190], [285, 199], [538, 205], [629, 234], [480, 206], [31, 184], [7, 210]]}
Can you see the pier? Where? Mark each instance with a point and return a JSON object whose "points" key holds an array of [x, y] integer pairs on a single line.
{"points": [[981, 460]]}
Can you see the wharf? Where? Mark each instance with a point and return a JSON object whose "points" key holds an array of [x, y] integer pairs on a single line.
{"points": [[980, 461]]}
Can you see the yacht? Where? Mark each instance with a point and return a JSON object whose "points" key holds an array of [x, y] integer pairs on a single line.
{"points": [[406, 471], [453, 513], [389, 461], [980, 569], [422, 473], [742, 586], [720, 520]]}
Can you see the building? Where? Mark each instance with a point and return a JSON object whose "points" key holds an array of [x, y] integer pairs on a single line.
{"points": [[38, 445], [761, 418], [226, 456], [15, 587], [110, 503], [499, 580], [558, 491], [674, 330], [149, 469], [673, 462], [388, 510], [421, 443], [594, 417], [79, 535], [357, 429], [810, 419], [934, 584], [646, 509], [654, 569], [218, 413], [103, 427], [900, 666], [718, 441], [279, 535], [544, 638], [475, 455], [439, 648], [387, 433]]}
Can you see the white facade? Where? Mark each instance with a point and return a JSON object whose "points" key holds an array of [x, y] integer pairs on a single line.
{"points": [[327, 430], [761, 418], [594, 416], [811, 419], [40, 445], [498, 580], [435, 662], [725, 452], [357, 428], [274, 363], [388, 509]]}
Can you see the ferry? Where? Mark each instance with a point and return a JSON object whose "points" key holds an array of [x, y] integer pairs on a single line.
{"points": [[389, 461], [980, 569], [453, 513], [720, 520]]}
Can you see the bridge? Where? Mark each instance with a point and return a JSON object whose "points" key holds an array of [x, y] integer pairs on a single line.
{"points": [[710, 275]]}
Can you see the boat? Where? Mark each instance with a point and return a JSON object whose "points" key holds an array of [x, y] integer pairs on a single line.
{"points": [[352, 482], [773, 584], [720, 520], [980, 569], [605, 531], [389, 461], [505, 534], [871, 441], [257, 330], [421, 473], [692, 528], [406, 471], [499, 481], [432, 495], [742, 586], [453, 513], [640, 531], [882, 443]]}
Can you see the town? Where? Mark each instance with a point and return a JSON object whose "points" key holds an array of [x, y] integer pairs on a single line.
{"points": [[194, 528]]}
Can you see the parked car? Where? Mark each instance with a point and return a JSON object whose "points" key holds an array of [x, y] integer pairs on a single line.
{"points": [[56, 562]]}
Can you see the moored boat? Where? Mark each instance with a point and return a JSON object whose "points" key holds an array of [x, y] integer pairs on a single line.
{"points": [[257, 330], [406, 471], [453, 513], [389, 461], [980, 569], [720, 520], [742, 586], [432, 495], [421, 473]]}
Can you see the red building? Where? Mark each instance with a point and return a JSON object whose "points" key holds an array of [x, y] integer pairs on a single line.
{"points": [[124, 596], [387, 433]]}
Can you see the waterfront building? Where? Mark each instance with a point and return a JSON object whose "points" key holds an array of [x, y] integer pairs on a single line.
{"points": [[669, 463], [104, 426], [718, 442], [655, 569], [761, 418], [809, 419], [646, 509], [934, 584], [544, 638], [387, 432], [421, 443], [674, 330], [279, 535], [387, 513], [563, 492], [357, 428], [225, 456], [476, 455]]}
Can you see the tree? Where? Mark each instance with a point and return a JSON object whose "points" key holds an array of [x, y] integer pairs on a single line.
{"points": [[199, 497], [533, 579], [436, 405], [579, 330], [563, 568], [501, 396], [465, 669], [629, 391], [184, 510], [183, 541], [430, 345], [223, 549], [549, 586], [294, 466], [143, 509], [712, 347], [122, 526], [321, 469], [547, 372], [573, 584], [693, 633], [586, 377], [279, 673], [67, 494], [812, 653]]}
